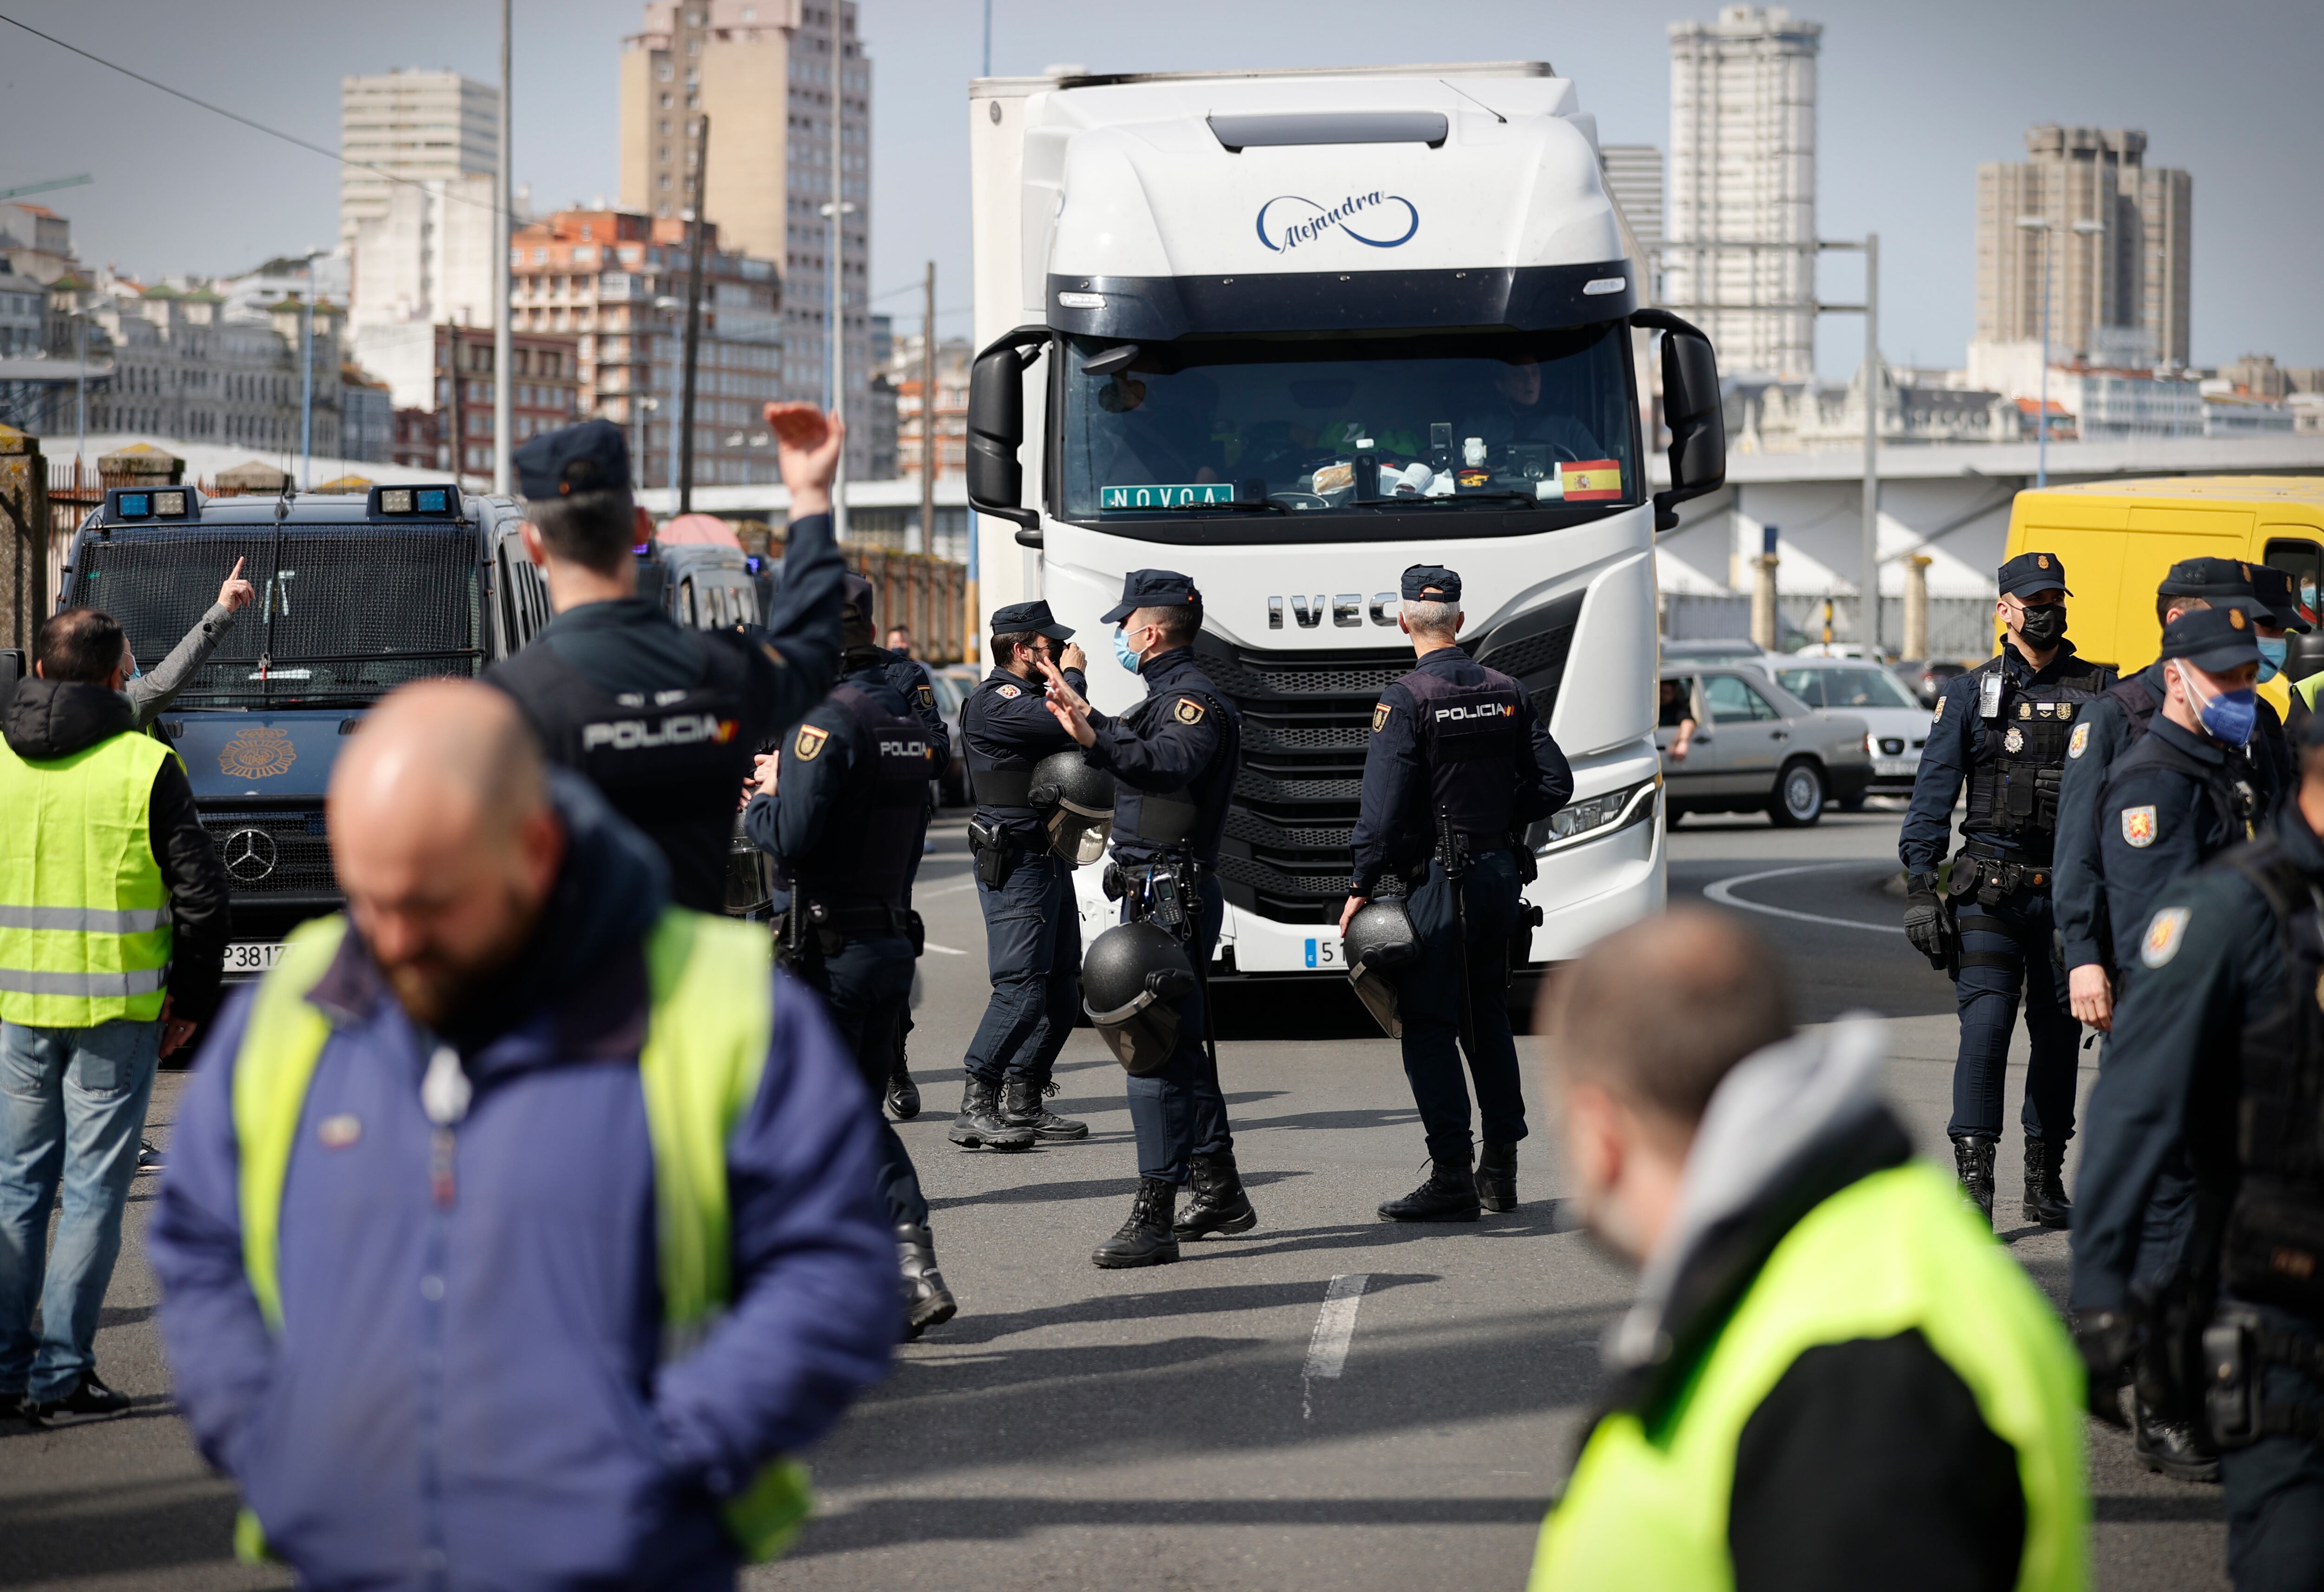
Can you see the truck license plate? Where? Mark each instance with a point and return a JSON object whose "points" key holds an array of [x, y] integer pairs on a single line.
{"points": [[253, 956]]}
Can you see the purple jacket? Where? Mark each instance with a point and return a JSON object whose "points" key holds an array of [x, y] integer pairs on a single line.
{"points": [[469, 1395]]}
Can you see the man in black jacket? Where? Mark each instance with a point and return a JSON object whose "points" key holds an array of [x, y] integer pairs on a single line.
{"points": [[113, 926], [663, 720]]}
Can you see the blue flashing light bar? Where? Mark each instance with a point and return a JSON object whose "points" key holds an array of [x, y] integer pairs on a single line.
{"points": [[134, 503], [398, 503]]}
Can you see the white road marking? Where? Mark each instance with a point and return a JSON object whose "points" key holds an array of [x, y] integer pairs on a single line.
{"points": [[969, 884], [942, 949], [1335, 1325], [1723, 892]]}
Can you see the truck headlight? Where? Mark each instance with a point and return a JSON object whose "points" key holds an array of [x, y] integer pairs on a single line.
{"points": [[1598, 816]]}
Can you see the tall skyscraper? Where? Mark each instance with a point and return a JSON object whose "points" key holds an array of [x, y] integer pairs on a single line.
{"points": [[1634, 176], [2119, 242], [762, 71], [1743, 172], [424, 125]]}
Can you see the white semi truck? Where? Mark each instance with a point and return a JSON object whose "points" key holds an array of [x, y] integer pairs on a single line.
{"points": [[1289, 332]]}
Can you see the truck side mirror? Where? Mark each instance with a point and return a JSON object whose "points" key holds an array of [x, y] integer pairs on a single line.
{"points": [[996, 429], [1693, 409]]}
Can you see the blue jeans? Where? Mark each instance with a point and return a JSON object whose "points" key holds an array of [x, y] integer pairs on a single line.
{"points": [[72, 1102]]}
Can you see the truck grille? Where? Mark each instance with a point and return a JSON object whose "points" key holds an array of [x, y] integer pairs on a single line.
{"points": [[274, 855], [1306, 721]]}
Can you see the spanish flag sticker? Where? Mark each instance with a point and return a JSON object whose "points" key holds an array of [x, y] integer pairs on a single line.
{"points": [[1591, 478]]}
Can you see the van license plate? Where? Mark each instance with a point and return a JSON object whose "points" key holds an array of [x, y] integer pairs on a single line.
{"points": [[253, 956]]}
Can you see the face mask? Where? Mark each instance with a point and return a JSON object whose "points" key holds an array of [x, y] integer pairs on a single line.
{"points": [[2229, 716], [2045, 626], [2273, 651], [1123, 652]]}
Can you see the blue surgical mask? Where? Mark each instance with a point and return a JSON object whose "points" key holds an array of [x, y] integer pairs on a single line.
{"points": [[1123, 652], [2229, 716], [2273, 651]]}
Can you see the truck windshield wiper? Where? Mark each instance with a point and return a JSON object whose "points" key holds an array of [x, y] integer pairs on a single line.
{"points": [[1416, 501], [1243, 505]]}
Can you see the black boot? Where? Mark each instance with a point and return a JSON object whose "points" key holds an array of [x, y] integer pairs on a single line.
{"points": [[1497, 1177], [2175, 1447], [2045, 1183], [980, 1121], [927, 1303], [903, 1094], [1450, 1195], [1020, 1106], [1220, 1205], [1146, 1238], [1973, 1165]]}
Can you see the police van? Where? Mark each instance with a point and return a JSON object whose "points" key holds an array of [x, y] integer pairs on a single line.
{"points": [[703, 586], [356, 597]]}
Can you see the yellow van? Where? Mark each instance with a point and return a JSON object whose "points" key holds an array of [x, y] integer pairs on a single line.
{"points": [[2118, 538]]}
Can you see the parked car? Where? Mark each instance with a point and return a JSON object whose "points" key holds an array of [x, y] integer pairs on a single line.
{"points": [[952, 683], [1710, 651], [1929, 675], [1897, 726], [1830, 650], [1758, 748]]}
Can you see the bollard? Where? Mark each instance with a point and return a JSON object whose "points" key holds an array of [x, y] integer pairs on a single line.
{"points": [[1916, 606]]}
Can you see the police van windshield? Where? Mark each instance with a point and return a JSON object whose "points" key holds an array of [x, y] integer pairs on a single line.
{"points": [[344, 615], [1340, 424]]}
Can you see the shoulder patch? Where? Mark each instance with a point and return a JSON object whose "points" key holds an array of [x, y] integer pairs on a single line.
{"points": [[2163, 936], [925, 695], [1937, 716], [1006, 691], [2081, 742], [1187, 712], [2138, 827], [1380, 716], [807, 745]]}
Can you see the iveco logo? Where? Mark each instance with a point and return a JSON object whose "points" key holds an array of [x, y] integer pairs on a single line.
{"points": [[1348, 610], [248, 855]]}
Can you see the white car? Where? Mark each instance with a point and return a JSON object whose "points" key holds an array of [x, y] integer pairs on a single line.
{"points": [[1896, 725]]}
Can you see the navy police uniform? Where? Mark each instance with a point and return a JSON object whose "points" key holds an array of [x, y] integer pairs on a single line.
{"points": [[1455, 745], [664, 719], [1172, 757], [846, 823], [2219, 1046], [1032, 924], [2004, 728], [910, 679]]}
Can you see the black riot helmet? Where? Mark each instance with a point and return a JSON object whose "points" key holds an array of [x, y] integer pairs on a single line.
{"points": [[1076, 801], [1132, 978], [1379, 939]]}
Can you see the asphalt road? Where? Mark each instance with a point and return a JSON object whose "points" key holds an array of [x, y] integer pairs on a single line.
{"points": [[1329, 1401]]}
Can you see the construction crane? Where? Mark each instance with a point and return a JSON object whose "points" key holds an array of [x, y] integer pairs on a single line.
{"points": [[54, 182]]}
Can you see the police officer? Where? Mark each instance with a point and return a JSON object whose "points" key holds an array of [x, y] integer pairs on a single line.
{"points": [[1458, 765], [2107, 727], [1032, 926], [664, 719], [2004, 728], [2177, 797], [843, 808], [2219, 1046], [1172, 757], [911, 681], [2278, 593]]}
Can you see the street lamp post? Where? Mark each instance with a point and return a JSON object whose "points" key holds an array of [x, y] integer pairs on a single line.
{"points": [[2039, 225]]}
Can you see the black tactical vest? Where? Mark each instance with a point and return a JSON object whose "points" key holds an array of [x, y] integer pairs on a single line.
{"points": [[671, 762], [1195, 816], [2138, 704], [2273, 1248], [1002, 780], [1471, 737], [2020, 768], [874, 831]]}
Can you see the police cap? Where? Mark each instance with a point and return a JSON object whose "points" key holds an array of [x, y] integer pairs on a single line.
{"points": [[1430, 583], [2029, 573], [588, 458], [1152, 588], [2217, 580], [1018, 618], [2214, 639], [2273, 587]]}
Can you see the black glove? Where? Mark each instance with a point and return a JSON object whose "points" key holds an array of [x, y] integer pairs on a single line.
{"points": [[1924, 919], [2108, 1339]]}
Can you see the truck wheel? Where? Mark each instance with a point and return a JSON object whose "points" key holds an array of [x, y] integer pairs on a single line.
{"points": [[1799, 798]]}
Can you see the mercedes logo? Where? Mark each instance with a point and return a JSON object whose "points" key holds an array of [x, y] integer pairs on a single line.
{"points": [[248, 855]]}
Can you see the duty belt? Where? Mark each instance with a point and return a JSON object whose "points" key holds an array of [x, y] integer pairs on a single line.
{"points": [[1993, 874], [1475, 842], [859, 918]]}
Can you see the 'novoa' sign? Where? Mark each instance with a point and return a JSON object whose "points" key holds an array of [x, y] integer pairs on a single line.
{"points": [[1165, 497]]}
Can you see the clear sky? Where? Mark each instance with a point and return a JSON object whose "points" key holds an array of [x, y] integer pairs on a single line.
{"points": [[1911, 97]]}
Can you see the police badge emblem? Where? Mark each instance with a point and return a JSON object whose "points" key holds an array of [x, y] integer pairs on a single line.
{"points": [[2081, 742], [808, 746], [1007, 691], [2138, 827], [1187, 712], [2014, 740], [1380, 712], [2162, 942]]}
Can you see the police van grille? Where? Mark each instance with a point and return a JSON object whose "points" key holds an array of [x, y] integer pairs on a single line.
{"points": [[302, 866]]}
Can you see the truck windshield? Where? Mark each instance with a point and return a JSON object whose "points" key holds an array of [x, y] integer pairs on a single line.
{"points": [[345, 614], [1317, 424]]}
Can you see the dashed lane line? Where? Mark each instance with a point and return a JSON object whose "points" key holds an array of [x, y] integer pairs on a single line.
{"points": [[1335, 1327], [1723, 892]]}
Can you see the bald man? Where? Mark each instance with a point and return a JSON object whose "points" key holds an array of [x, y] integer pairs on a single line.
{"points": [[1832, 1377], [422, 1348]]}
